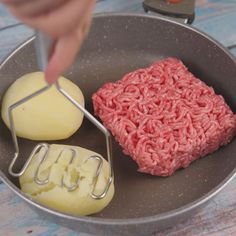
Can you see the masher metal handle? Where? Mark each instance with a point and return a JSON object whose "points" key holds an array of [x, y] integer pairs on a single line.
{"points": [[44, 47]]}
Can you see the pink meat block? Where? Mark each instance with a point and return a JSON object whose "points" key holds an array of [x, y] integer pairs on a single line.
{"points": [[164, 117]]}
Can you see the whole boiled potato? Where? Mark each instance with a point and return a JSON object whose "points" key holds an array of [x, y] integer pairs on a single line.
{"points": [[49, 116], [58, 167]]}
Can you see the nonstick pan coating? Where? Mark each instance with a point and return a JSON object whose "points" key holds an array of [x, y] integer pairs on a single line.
{"points": [[118, 44]]}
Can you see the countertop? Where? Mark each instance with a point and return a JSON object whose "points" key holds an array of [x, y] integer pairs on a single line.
{"points": [[215, 17]]}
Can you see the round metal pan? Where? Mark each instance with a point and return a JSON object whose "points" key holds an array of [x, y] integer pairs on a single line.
{"points": [[117, 44]]}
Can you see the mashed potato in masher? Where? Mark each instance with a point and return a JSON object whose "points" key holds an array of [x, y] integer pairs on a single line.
{"points": [[61, 172], [49, 116]]}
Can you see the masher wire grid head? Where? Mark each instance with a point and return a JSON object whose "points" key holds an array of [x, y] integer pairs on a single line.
{"points": [[90, 117]]}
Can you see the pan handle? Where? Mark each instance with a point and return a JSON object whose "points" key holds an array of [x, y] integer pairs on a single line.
{"points": [[180, 10], [232, 48]]}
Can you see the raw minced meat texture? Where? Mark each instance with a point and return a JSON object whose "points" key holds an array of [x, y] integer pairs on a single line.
{"points": [[164, 117]]}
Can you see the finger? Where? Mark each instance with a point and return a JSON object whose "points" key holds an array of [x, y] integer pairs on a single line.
{"points": [[62, 20], [87, 21], [35, 7], [67, 48], [63, 55]]}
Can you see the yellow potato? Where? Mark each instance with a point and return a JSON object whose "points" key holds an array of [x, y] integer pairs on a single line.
{"points": [[46, 117], [56, 196]]}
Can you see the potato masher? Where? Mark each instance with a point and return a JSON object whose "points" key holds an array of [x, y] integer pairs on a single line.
{"points": [[43, 46]]}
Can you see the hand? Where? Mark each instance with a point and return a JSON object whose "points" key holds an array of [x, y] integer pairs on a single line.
{"points": [[67, 21]]}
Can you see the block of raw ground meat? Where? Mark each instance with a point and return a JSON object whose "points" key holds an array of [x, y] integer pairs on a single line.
{"points": [[164, 117]]}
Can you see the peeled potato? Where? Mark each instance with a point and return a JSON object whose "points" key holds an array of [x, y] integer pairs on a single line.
{"points": [[49, 116], [54, 194]]}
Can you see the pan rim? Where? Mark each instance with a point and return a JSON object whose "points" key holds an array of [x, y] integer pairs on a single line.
{"points": [[129, 221]]}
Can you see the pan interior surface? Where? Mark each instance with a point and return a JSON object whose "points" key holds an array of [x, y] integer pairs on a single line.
{"points": [[116, 45]]}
